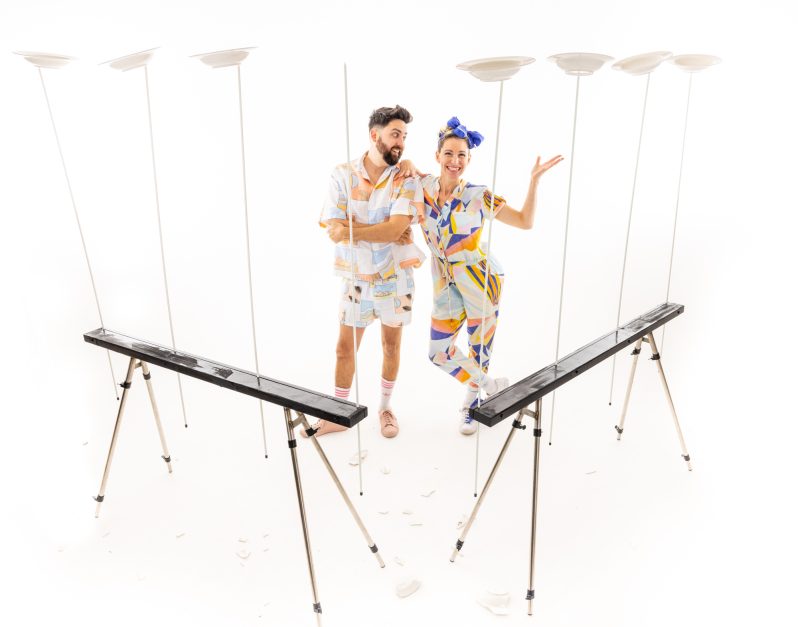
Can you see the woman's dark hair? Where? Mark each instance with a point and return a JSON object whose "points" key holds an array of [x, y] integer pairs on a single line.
{"points": [[384, 115], [446, 135], [455, 128]]}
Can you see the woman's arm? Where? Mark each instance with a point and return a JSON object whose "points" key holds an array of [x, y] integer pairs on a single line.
{"points": [[525, 218], [408, 169]]}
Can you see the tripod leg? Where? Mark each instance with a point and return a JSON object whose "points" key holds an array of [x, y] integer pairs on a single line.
{"points": [[145, 371], [311, 433], [538, 432], [636, 355], [295, 463], [125, 387], [655, 357], [517, 424]]}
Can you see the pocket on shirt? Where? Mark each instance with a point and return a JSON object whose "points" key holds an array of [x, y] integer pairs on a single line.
{"points": [[466, 222]]}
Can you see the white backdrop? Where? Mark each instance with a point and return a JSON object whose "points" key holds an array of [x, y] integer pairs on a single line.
{"points": [[636, 541]]}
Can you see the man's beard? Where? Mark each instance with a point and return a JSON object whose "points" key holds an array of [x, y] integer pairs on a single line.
{"points": [[391, 158]]}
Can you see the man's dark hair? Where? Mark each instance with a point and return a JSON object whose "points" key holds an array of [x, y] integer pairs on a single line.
{"points": [[384, 115]]}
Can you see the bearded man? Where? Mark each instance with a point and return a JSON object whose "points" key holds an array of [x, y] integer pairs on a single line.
{"points": [[382, 206]]}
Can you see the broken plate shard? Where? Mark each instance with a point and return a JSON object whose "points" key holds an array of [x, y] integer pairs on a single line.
{"points": [[385, 470], [407, 512], [243, 554], [428, 492], [495, 601], [354, 461], [399, 561], [406, 587]]}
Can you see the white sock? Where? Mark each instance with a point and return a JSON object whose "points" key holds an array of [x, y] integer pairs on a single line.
{"points": [[342, 393], [471, 395], [489, 385], [386, 389], [499, 384]]}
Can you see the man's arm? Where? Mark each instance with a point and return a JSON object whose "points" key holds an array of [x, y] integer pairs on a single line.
{"points": [[389, 231], [334, 206]]}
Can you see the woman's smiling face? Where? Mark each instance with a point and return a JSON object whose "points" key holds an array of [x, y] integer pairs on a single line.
{"points": [[453, 156]]}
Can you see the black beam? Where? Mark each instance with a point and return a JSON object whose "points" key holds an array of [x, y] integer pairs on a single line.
{"points": [[277, 392], [536, 386]]}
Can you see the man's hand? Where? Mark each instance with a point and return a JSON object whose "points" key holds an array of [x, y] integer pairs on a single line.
{"points": [[338, 232], [406, 237]]}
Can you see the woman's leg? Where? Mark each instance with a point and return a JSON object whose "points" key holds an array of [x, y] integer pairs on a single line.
{"points": [[471, 281], [448, 316]]}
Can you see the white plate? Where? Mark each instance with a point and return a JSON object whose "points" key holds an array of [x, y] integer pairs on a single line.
{"points": [[495, 68], [496, 601], [694, 62], [407, 586], [641, 63], [46, 59], [223, 58], [131, 61], [580, 63]]}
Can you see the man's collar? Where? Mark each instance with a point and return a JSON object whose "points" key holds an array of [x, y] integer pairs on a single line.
{"points": [[361, 165]]}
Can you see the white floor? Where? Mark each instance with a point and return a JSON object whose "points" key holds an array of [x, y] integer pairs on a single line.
{"points": [[627, 536]]}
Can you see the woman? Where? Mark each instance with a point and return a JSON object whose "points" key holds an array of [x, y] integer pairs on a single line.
{"points": [[455, 213]]}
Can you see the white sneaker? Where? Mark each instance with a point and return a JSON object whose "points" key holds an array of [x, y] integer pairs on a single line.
{"points": [[468, 426], [502, 383]]}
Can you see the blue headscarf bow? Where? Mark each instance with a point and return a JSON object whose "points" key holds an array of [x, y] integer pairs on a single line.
{"points": [[457, 129]]}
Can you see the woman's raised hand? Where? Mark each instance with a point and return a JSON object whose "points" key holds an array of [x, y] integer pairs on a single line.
{"points": [[539, 168]]}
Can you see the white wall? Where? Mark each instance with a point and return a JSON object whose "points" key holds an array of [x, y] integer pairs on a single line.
{"points": [[729, 357]]}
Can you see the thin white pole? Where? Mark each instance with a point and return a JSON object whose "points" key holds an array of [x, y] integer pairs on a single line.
{"points": [[676, 213], [160, 239], [564, 251], [352, 269], [629, 225], [249, 256], [77, 220], [487, 280]]}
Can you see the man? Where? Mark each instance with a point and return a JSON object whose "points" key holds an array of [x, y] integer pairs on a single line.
{"points": [[382, 208]]}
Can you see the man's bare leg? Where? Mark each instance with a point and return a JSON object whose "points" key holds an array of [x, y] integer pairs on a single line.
{"points": [[391, 345], [344, 373], [345, 356]]}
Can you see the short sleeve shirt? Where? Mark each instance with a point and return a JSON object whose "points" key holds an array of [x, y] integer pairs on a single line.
{"points": [[371, 203], [453, 231]]}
